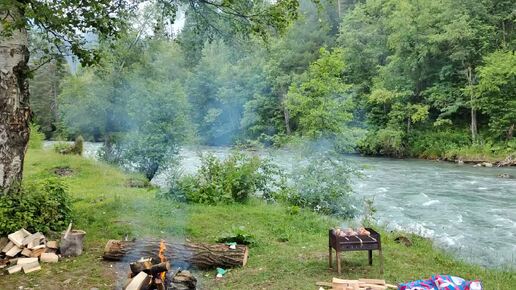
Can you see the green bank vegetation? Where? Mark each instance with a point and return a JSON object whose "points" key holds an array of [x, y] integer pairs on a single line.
{"points": [[290, 249], [384, 77]]}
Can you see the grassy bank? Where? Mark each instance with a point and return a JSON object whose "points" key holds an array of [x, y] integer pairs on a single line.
{"points": [[107, 209]]}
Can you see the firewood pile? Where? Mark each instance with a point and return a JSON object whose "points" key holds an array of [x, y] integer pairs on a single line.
{"points": [[360, 284], [149, 274], [23, 251]]}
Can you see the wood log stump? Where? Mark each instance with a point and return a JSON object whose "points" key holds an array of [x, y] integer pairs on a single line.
{"points": [[199, 255]]}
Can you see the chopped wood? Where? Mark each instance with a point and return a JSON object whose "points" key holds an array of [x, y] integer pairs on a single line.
{"points": [[323, 284], [15, 250], [341, 284], [26, 252], [34, 237], [391, 286], [38, 247], [38, 242], [13, 261], [200, 255], [14, 269], [373, 286], [7, 247], [18, 236], [49, 258], [31, 267], [23, 261], [372, 281], [138, 281], [52, 245], [38, 252]]}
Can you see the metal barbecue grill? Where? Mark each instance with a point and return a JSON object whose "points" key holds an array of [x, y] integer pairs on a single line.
{"points": [[355, 243]]}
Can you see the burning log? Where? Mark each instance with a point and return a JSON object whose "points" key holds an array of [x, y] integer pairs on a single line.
{"points": [[153, 270], [200, 255]]}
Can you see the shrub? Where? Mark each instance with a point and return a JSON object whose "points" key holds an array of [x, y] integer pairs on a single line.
{"points": [[63, 148], [42, 205], [36, 137], [78, 146], [387, 142], [226, 181], [75, 148], [434, 144], [238, 235], [315, 185]]}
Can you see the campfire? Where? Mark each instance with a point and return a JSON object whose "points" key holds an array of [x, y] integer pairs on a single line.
{"points": [[154, 274], [361, 239]]}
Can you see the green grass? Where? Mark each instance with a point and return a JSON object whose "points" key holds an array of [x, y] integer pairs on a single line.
{"points": [[107, 209]]}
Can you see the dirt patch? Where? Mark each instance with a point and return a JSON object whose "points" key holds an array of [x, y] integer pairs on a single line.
{"points": [[63, 171]]}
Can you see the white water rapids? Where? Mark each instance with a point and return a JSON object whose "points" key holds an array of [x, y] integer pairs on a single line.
{"points": [[468, 211]]}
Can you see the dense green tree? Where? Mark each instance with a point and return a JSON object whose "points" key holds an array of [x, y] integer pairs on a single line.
{"points": [[287, 57], [497, 92], [45, 90], [319, 103]]}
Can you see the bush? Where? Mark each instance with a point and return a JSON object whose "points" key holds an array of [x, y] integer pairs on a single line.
{"points": [[62, 148], [435, 144], [314, 185], [43, 205], [76, 148], [226, 181], [238, 235], [36, 137], [388, 142]]}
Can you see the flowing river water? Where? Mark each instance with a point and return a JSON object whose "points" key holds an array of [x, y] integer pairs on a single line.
{"points": [[468, 211]]}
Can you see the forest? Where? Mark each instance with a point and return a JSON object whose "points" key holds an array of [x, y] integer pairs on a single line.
{"points": [[426, 79]]}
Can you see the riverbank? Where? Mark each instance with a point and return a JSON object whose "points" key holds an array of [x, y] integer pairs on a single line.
{"points": [[290, 250]]}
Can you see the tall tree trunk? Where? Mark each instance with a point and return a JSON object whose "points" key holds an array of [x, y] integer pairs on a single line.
{"points": [[14, 104], [54, 105], [474, 130], [510, 132], [474, 126], [286, 115]]}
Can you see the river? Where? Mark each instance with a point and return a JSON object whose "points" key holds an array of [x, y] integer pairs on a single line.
{"points": [[468, 211]]}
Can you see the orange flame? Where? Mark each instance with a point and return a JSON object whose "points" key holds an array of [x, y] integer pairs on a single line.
{"points": [[161, 255]]}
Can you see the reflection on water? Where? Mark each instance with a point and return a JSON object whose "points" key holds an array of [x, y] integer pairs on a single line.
{"points": [[469, 211]]}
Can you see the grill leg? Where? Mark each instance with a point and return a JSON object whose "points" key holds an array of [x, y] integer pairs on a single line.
{"points": [[370, 256], [338, 261], [381, 262], [329, 257]]}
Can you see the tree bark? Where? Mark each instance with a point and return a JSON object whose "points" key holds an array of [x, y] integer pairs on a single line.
{"points": [[510, 132], [14, 103], [474, 130], [474, 126], [202, 256]]}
